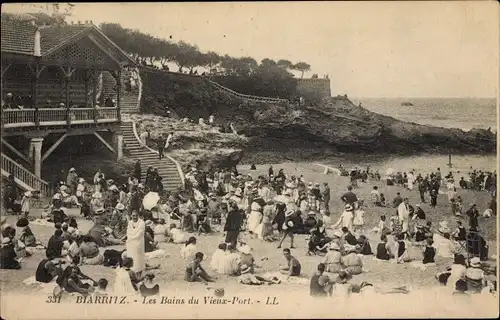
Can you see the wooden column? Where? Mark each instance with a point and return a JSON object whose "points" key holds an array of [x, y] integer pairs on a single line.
{"points": [[86, 78], [118, 93], [94, 92], [36, 144], [66, 87]]}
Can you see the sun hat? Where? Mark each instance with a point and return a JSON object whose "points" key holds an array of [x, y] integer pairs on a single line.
{"points": [[63, 188], [5, 240], [28, 194], [475, 262], [120, 206], [149, 223], [72, 169], [21, 223], [245, 269], [57, 196], [99, 211], [288, 213], [245, 249], [348, 207]]}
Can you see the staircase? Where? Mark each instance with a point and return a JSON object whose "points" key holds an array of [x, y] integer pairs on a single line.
{"points": [[129, 101], [168, 168], [23, 177]]}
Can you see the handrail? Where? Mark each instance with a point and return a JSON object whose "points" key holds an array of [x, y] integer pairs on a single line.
{"points": [[24, 175], [57, 116], [177, 165]]}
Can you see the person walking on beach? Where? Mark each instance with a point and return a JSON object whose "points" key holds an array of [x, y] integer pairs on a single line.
{"points": [[325, 195], [233, 224]]}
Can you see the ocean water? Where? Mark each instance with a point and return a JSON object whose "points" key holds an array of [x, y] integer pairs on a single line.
{"points": [[463, 113]]}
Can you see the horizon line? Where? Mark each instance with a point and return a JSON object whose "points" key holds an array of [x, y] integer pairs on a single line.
{"points": [[422, 97]]}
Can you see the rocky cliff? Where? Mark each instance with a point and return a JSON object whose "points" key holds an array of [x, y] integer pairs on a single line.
{"points": [[333, 126]]}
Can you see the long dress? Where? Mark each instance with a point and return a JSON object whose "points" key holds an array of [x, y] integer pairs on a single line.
{"points": [[123, 284], [135, 244], [255, 217]]}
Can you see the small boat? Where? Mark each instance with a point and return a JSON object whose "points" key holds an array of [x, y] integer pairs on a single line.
{"points": [[406, 104]]}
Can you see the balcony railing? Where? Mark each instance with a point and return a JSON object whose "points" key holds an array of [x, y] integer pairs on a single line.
{"points": [[19, 172], [41, 117]]}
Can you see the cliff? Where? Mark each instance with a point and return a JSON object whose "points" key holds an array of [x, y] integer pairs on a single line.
{"points": [[193, 144], [333, 126]]}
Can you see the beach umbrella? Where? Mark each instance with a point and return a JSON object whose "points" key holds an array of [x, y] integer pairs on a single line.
{"points": [[390, 171], [150, 200]]}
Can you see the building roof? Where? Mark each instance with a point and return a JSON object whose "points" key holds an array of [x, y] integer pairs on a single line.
{"points": [[17, 37], [52, 37]]}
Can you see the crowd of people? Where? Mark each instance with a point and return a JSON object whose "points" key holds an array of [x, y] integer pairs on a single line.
{"points": [[139, 215]]}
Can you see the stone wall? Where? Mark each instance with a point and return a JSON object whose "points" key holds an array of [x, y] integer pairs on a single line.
{"points": [[313, 89]]}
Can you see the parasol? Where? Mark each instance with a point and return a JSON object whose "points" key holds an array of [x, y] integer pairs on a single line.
{"points": [[282, 199], [150, 200]]}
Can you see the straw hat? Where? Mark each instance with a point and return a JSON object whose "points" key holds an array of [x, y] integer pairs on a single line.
{"points": [[348, 207], [63, 188], [120, 206], [28, 194], [475, 262], [5, 241], [245, 269]]}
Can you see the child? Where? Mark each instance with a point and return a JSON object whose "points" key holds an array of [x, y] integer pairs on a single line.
{"points": [[383, 227], [429, 252], [203, 225], [100, 291], [359, 221], [148, 287], [26, 204], [382, 200]]}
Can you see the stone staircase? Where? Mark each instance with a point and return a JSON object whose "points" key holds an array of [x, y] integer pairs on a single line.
{"points": [[168, 168], [129, 101]]}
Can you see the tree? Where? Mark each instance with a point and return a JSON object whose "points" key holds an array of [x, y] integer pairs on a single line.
{"points": [[186, 55], [287, 64], [302, 67], [212, 59]]}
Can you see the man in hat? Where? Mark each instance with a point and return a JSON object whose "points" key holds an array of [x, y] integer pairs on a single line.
{"points": [[72, 180], [325, 196], [233, 223], [473, 215], [404, 215]]}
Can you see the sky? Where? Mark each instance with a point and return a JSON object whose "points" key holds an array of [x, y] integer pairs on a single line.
{"points": [[368, 49]]}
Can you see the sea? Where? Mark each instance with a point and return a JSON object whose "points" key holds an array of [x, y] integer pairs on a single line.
{"points": [[462, 113]]}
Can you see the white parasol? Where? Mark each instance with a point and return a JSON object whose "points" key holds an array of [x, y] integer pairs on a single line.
{"points": [[282, 199], [150, 200]]}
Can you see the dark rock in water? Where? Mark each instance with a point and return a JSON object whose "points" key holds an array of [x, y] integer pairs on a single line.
{"points": [[407, 104]]}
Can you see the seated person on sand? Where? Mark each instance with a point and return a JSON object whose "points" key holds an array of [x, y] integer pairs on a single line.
{"points": [[429, 254], [195, 272], [401, 253], [333, 258], [189, 249], [363, 247], [72, 246], [148, 287], [320, 284], [293, 267], [89, 252], [47, 270], [474, 276], [160, 232], [352, 263], [67, 198], [218, 257], [127, 279], [383, 249], [383, 226], [175, 235], [342, 288], [8, 255], [103, 235], [26, 236], [453, 273], [230, 263], [318, 240], [19, 246], [349, 240], [101, 288], [55, 245], [203, 225], [71, 279]]}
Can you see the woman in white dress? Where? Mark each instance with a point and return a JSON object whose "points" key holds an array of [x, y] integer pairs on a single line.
{"points": [[255, 217], [135, 242]]}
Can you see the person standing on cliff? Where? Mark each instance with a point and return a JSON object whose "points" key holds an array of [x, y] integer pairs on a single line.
{"points": [[211, 119]]}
